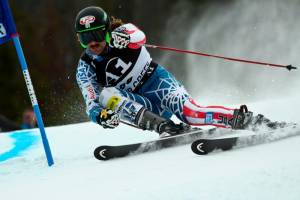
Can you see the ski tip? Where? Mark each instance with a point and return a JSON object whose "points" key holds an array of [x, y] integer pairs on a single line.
{"points": [[199, 147], [100, 153]]}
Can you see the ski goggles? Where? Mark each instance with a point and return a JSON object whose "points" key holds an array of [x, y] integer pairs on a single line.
{"points": [[86, 37]]}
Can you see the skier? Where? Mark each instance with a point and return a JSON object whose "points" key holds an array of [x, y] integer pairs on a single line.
{"points": [[120, 81]]}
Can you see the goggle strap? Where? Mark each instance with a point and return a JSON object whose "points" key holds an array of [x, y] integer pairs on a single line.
{"points": [[91, 29], [83, 46], [107, 37]]}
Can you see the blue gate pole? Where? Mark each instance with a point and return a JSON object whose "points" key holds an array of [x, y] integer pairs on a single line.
{"points": [[33, 99]]}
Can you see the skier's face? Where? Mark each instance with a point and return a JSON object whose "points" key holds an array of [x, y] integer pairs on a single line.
{"points": [[96, 47]]}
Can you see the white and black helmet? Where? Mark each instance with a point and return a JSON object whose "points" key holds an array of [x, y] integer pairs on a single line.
{"points": [[92, 24]]}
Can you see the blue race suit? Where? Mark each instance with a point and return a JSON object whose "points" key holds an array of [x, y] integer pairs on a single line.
{"points": [[126, 80]]}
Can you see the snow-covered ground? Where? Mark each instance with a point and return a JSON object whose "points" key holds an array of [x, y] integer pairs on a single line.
{"points": [[269, 171]]}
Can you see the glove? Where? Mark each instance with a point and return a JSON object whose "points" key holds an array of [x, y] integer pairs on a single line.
{"points": [[120, 39], [109, 118]]}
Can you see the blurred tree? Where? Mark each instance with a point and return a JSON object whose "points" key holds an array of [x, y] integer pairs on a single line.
{"points": [[12, 90]]}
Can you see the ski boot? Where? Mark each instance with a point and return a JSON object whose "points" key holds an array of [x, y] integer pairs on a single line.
{"points": [[241, 118], [244, 119], [148, 120], [169, 128]]}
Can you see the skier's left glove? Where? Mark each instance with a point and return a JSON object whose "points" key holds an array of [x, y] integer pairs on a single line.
{"points": [[109, 118], [120, 39]]}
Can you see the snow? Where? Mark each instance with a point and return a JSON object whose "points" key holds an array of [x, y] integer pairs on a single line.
{"points": [[5, 143], [269, 171]]}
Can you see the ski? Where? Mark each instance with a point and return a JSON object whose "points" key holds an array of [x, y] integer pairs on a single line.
{"points": [[107, 152], [203, 141], [205, 146]]}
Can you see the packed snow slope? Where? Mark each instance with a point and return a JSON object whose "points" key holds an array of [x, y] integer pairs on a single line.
{"points": [[268, 171]]}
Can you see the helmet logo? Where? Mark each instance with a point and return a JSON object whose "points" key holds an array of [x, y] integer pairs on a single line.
{"points": [[87, 20]]}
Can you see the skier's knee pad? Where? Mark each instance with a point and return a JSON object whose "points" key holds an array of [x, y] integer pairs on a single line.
{"points": [[191, 112]]}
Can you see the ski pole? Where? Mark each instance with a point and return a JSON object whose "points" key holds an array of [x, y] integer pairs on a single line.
{"points": [[288, 67]]}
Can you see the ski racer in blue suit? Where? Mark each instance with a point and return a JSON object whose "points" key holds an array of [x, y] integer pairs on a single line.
{"points": [[120, 82]]}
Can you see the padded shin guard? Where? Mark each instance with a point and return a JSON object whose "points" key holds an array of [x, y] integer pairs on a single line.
{"points": [[218, 116], [148, 120]]}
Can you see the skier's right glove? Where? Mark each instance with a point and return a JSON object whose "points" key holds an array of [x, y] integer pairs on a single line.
{"points": [[119, 39], [109, 118]]}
